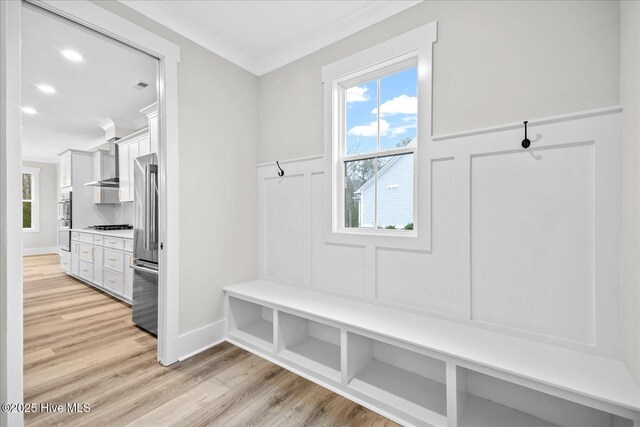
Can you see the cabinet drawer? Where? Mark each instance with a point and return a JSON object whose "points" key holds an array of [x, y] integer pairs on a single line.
{"points": [[128, 245], [85, 252], [114, 260], [113, 242], [98, 240], [86, 238], [74, 235], [114, 282], [65, 263], [85, 271]]}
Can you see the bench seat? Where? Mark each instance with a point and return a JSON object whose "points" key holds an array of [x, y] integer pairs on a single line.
{"points": [[594, 381]]}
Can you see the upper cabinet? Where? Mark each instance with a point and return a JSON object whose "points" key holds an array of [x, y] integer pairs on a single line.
{"points": [[130, 148], [64, 170], [138, 144]]}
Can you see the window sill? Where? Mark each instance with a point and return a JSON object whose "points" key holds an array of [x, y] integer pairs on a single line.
{"points": [[30, 230], [377, 232]]}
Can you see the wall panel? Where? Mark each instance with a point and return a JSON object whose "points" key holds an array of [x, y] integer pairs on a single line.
{"points": [[338, 268], [422, 279], [533, 240]]}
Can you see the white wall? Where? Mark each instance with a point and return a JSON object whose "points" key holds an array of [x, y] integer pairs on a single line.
{"points": [[494, 62], [630, 244], [46, 238], [218, 153]]}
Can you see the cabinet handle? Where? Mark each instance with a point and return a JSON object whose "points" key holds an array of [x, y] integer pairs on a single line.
{"points": [[111, 281], [112, 259], [112, 242], [84, 270], [85, 252]]}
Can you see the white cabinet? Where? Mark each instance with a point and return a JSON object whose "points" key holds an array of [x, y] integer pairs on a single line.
{"points": [[74, 257], [152, 116], [128, 276], [97, 265], [124, 172], [64, 170], [130, 148], [102, 261]]}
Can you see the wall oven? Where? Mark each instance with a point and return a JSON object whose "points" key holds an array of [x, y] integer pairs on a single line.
{"points": [[64, 220]]}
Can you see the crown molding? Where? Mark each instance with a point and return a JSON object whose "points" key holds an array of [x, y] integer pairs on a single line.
{"points": [[269, 61]]}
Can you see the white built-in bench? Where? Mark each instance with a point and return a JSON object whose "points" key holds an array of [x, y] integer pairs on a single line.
{"points": [[419, 370]]}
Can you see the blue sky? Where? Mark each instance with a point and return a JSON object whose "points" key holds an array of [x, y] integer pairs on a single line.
{"points": [[398, 105]]}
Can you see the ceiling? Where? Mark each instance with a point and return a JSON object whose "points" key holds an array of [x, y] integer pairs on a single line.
{"points": [[87, 92], [261, 36]]}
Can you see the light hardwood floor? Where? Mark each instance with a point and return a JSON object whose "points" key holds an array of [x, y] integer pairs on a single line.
{"points": [[80, 346]]}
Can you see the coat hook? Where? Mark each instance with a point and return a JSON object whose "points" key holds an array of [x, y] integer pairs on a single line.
{"points": [[280, 172], [525, 142]]}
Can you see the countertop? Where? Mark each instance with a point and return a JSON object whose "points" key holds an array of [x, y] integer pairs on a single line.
{"points": [[125, 234]]}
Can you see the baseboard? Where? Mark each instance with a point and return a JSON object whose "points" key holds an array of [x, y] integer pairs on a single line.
{"points": [[197, 341], [40, 251]]}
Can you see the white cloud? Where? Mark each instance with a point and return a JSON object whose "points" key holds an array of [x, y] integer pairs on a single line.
{"points": [[357, 94], [372, 129], [402, 104]]}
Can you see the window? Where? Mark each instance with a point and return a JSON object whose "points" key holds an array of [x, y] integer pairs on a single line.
{"points": [[30, 199], [377, 129], [378, 147]]}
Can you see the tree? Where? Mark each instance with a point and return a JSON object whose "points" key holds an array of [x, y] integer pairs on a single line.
{"points": [[357, 173]]}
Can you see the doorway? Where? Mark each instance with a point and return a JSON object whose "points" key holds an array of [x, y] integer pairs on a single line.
{"points": [[93, 18]]}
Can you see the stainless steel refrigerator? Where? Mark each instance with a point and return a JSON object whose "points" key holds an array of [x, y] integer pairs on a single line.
{"points": [[145, 243]]}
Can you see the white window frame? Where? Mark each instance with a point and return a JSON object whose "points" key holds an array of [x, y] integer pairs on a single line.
{"points": [[35, 199], [380, 60]]}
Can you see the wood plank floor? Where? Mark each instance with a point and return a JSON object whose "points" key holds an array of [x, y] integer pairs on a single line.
{"points": [[80, 346]]}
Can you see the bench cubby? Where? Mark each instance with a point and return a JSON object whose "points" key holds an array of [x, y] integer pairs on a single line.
{"points": [[311, 344], [251, 323], [406, 380], [489, 401]]}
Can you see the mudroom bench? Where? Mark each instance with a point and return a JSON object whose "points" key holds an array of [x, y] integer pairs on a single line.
{"points": [[418, 370]]}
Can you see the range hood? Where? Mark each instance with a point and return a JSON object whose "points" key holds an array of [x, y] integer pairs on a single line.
{"points": [[114, 181], [113, 131]]}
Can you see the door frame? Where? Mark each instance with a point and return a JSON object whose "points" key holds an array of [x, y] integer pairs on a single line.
{"points": [[103, 21]]}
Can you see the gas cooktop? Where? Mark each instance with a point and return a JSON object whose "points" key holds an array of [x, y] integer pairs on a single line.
{"points": [[111, 227]]}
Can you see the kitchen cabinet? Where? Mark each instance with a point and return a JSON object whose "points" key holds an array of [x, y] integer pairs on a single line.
{"points": [[152, 116], [102, 261], [64, 170], [74, 257], [128, 275], [97, 265], [104, 168], [130, 148]]}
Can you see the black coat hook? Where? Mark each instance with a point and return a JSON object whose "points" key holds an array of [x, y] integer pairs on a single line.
{"points": [[525, 142], [280, 172]]}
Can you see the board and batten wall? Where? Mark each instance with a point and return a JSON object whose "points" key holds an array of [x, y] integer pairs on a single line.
{"points": [[44, 240], [218, 200], [523, 242], [553, 277], [630, 235]]}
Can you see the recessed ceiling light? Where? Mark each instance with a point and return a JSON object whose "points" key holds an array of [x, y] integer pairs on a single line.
{"points": [[29, 110], [72, 55], [47, 88]]}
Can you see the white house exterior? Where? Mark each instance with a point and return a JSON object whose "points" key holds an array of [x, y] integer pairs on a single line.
{"points": [[395, 195]]}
